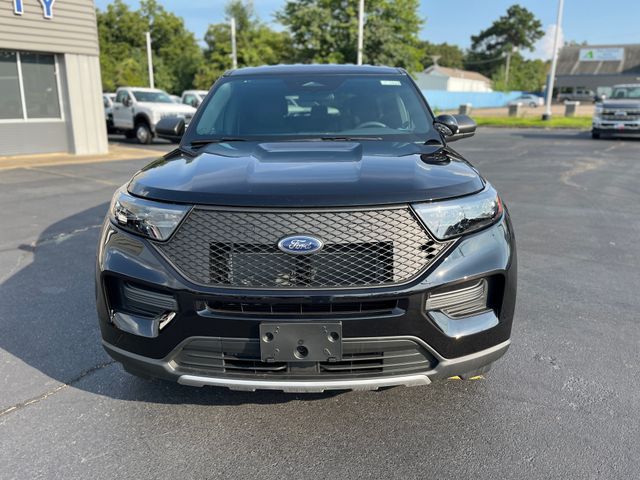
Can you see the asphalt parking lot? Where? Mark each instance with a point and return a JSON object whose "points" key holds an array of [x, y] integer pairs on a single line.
{"points": [[562, 404]]}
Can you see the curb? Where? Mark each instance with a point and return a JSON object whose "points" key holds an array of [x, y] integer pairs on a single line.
{"points": [[116, 152]]}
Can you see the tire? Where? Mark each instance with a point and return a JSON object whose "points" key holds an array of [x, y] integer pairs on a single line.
{"points": [[533, 104], [595, 134], [143, 133]]}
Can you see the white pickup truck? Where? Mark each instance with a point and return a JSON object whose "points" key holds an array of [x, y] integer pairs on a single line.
{"points": [[619, 114], [136, 111], [193, 97]]}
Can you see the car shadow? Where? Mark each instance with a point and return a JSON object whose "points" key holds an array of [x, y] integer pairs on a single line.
{"points": [[559, 134], [49, 322]]}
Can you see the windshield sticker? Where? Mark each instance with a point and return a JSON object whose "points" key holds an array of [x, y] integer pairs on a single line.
{"points": [[390, 82]]}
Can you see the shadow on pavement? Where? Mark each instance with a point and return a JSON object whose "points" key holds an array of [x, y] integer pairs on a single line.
{"points": [[558, 135], [48, 319]]}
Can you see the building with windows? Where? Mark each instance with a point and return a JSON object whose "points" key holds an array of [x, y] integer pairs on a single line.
{"points": [[596, 68], [50, 87]]}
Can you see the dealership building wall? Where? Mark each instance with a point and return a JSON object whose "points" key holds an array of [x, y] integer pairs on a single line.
{"points": [[50, 86], [597, 67]]}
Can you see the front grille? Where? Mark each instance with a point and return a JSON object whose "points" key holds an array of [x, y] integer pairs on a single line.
{"points": [[362, 248], [629, 116], [237, 357], [301, 309]]}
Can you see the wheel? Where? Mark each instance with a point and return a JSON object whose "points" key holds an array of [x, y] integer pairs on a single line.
{"points": [[143, 133], [595, 134], [533, 104]]}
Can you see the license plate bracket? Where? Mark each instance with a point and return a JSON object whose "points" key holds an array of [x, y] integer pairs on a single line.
{"points": [[301, 342]]}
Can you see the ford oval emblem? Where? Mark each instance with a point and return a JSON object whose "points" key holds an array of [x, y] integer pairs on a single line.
{"points": [[300, 244]]}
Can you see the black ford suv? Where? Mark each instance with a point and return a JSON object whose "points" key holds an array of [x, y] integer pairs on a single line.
{"points": [[313, 231]]}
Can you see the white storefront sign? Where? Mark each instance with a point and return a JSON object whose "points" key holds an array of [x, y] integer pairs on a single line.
{"points": [[601, 54]]}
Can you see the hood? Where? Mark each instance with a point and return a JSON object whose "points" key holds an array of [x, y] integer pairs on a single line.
{"points": [[178, 108], [311, 174], [622, 103]]}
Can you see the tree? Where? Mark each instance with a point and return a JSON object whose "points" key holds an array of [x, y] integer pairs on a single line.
{"points": [[450, 55], [326, 31], [123, 61], [526, 75], [256, 43], [517, 30]]}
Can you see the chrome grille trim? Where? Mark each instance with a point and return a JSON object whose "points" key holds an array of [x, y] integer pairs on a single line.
{"points": [[461, 302], [237, 248]]}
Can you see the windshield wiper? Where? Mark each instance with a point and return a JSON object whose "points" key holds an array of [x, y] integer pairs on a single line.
{"points": [[206, 141], [345, 139]]}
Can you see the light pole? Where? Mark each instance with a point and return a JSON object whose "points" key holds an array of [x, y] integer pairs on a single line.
{"points": [[360, 31], [511, 51], [149, 60], [554, 62], [234, 52]]}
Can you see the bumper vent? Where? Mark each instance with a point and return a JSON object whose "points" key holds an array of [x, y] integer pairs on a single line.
{"points": [[302, 310], [461, 301], [235, 357], [362, 248]]}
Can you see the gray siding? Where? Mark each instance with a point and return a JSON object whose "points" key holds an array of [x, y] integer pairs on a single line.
{"points": [[71, 30], [23, 138], [86, 111]]}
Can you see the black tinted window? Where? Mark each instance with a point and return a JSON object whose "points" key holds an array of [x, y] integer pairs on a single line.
{"points": [[311, 106]]}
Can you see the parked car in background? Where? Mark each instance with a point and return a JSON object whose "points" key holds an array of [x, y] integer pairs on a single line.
{"points": [[136, 111], [175, 99], [619, 114], [107, 100], [580, 94], [193, 97], [529, 100]]}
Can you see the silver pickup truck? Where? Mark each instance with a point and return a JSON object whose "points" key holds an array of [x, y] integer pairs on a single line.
{"points": [[619, 114]]}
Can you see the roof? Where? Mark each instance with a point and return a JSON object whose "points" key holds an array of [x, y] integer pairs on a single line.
{"points": [[569, 62], [456, 73], [317, 69]]}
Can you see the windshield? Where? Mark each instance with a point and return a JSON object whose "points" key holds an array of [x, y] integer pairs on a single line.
{"points": [[626, 92], [311, 106], [157, 97]]}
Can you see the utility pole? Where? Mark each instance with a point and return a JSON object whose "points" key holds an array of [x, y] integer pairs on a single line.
{"points": [[360, 31], [150, 60], [234, 53], [554, 63], [511, 51]]}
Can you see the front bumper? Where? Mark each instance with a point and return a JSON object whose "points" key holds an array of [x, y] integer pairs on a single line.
{"points": [[616, 127], [169, 369], [439, 353]]}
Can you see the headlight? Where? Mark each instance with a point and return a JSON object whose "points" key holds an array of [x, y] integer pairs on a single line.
{"points": [[451, 218], [598, 110], [145, 217]]}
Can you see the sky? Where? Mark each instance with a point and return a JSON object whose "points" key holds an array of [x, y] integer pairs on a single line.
{"points": [[454, 21]]}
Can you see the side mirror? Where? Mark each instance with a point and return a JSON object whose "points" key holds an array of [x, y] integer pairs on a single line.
{"points": [[127, 102], [600, 98], [170, 128], [455, 127]]}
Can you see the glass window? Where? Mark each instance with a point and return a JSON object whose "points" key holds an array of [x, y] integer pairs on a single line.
{"points": [[303, 106], [120, 97], [40, 86], [152, 96], [10, 101]]}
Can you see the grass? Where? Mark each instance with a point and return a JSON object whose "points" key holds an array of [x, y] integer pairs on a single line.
{"points": [[528, 122]]}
